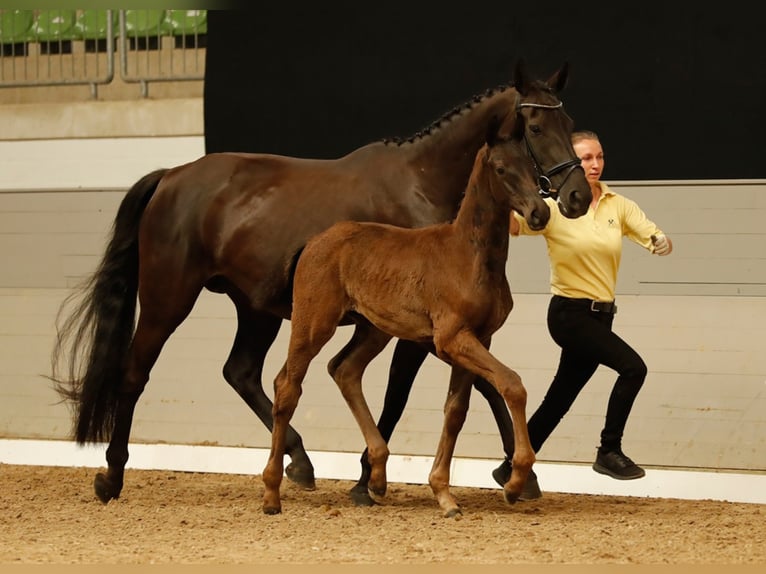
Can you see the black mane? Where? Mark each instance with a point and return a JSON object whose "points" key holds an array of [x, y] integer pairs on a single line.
{"points": [[447, 117]]}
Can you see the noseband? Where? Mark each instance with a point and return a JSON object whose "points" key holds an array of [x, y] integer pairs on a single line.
{"points": [[544, 177]]}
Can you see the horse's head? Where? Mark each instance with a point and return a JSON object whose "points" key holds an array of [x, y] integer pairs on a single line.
{"points": [[548, 130], [511, 167]]}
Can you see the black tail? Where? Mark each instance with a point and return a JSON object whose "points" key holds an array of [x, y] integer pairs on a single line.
{"points": [[94, 339]]}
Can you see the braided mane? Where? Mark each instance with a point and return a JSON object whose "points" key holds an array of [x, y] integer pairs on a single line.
{"points": [[447, 117]]}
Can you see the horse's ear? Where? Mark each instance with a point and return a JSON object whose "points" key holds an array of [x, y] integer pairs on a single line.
{"points": [[558, 80], [520, 79]]}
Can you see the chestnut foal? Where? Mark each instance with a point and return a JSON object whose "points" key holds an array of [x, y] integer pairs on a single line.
{"points": [[442, 285]]}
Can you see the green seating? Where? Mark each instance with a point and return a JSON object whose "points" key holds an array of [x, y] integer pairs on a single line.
{"points": [[15, 25], [92, 27], [188, 27], [54, 30], [144, 22], [144, 28], [94, 24], [53, 25], [14, 31], [185, 22]]}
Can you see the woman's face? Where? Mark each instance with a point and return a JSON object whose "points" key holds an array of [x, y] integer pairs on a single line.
{"points": [[591, 158]]}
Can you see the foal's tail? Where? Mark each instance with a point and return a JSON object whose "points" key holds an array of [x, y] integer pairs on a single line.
{"points": [[93, 341]]}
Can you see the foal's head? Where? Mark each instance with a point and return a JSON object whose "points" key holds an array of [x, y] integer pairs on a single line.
{"points": [[512, 173]]}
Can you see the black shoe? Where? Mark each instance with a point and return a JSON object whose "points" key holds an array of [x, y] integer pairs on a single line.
{"points": [[531, 489], [615, 464]]}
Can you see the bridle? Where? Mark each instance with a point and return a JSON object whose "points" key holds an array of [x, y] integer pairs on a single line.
{"points": [[544, 177]]}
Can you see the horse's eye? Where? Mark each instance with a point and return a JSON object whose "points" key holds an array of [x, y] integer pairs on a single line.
{"points": [[535, 129], [500, 170]]}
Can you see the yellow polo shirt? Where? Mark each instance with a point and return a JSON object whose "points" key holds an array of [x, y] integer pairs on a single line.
{"points": [[584, 253]]}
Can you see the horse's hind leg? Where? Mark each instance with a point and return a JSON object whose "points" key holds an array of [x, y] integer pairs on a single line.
{"points": [[347, 368], [156, 322], [406, 362], [244, 372]]}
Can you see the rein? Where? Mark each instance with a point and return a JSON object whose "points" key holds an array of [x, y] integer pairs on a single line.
{"points": [[544, 177]]}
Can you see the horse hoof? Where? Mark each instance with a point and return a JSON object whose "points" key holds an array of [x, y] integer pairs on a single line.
{"points": [[105, 489], [302, 476], [272, 510], [453, 512], [360, 497], [510, 498], [377, 496]]}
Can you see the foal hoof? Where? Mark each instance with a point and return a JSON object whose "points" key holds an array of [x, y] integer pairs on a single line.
{"points": [[301, 475], [378, 496], [272, 510], [510, 498], [453, 512], [105, 489], [360, 496]]}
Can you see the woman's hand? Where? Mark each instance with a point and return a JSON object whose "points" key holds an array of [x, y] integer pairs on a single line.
{"points": [[661, 245]]}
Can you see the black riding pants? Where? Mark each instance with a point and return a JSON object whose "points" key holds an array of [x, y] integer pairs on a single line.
{"points": [[587, 341]]}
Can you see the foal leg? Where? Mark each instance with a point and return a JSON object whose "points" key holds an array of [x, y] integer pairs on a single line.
{"points": [[455, 411], [405, 364], [313, 324], [244, 371], [468, 352], [347, 368], [287, 391]]}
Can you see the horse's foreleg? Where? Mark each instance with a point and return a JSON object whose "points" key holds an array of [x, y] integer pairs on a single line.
{"points": [[500, 412], [347, 368], [244, 371], [407, 359], [511, 387], [455, 411], [504, 423]]}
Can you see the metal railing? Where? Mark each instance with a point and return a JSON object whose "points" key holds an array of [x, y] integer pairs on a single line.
{"points": [[78, 46], [161, 46]]}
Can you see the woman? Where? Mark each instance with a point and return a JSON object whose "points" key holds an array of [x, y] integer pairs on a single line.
{"points": [[584, 259]]}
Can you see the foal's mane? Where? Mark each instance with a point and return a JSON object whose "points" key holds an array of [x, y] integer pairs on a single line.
{"points": [[447, 117], [475, 171]]}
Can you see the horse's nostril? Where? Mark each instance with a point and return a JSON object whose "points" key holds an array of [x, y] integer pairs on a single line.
{"points": [[579, 199], [539, 218]]}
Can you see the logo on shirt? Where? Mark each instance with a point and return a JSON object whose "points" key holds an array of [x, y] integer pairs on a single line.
{"points": [[611, 222]]}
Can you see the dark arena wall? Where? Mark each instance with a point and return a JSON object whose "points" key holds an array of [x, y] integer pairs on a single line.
{"points": [[676, 93]]}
